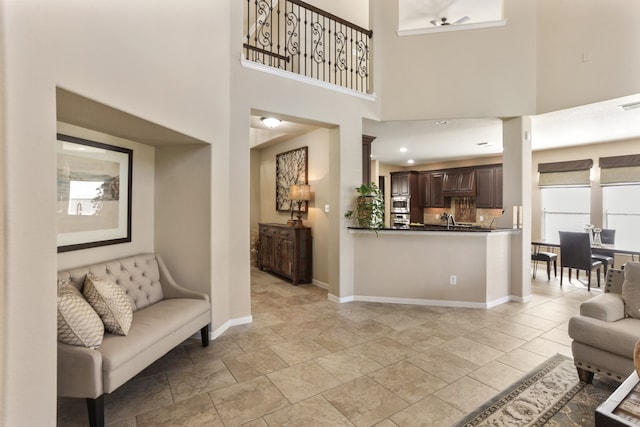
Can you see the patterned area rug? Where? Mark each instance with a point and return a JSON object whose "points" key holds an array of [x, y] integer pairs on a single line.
{"points": [[550, 395]]}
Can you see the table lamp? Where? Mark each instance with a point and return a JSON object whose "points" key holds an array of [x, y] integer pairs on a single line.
{"points": [[299, 193]]}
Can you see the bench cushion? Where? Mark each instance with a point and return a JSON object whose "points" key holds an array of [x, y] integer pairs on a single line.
{"points": [[154, 331]]}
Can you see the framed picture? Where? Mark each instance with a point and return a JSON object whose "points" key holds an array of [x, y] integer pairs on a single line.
{"points": [[94, 193], [291, 168]]}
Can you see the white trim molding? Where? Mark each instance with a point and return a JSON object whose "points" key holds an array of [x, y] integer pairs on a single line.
{"points": [[447, 28], [416, 301], [304, 79], [230, 323]]}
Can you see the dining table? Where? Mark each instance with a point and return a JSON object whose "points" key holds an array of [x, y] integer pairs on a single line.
{"points": [[538, 243]]}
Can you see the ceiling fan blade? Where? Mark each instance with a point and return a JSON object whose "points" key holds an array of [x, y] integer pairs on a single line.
{"points": [[461, 20]]}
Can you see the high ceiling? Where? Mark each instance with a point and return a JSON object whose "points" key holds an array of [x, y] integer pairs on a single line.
{"points": [[442, 139]]}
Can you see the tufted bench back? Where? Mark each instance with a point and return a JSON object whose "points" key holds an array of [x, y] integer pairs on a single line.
{"points": [[138, 275]]}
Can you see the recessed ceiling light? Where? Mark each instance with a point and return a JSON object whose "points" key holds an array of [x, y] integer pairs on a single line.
{"points": [[403, 149], [630, 106], [270, 122], [410, 161], [484, 144], [440, 122]]}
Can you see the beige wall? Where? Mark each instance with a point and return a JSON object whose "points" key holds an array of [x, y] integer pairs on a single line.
{"points": [[587, 51], [594, 152], [263, 193], [480, 73]]}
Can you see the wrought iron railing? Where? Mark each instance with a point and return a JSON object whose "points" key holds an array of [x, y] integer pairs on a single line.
{"points": [[298, 37]]}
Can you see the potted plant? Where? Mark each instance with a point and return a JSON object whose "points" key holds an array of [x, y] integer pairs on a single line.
{"points": [[369, 211]]}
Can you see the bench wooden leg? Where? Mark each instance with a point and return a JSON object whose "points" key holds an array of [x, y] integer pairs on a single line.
{"points": [[96, 411], [204, 333], [585, 376]]}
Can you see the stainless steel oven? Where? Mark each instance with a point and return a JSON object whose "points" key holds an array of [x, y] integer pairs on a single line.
{"points": [[400, 220], [400, 204]]}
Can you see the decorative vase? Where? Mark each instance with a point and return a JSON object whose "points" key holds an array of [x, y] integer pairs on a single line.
{"points": [[636, 358]]}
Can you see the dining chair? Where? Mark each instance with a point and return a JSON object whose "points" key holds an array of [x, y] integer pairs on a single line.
{"points": [[548, 257], [575, 252], [608, 237]]}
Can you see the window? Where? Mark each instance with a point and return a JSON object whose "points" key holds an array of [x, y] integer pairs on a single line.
{"points": [[621, 212], [564, 209]]}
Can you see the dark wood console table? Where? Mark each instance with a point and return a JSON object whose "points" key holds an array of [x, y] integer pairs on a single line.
{"points": [[286, 251], [622, 408]]}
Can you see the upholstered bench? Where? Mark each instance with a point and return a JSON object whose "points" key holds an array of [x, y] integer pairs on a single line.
{"points": [[608, 327], [162, 315]]}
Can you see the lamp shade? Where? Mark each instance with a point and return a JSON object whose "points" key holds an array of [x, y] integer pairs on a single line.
{"points": [[300, 192]]}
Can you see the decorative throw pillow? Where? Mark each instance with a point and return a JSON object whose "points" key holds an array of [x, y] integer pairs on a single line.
{"points": [[110, 302], [78, 322], [631, 289]]}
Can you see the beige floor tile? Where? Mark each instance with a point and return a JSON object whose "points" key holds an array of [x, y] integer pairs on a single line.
{"points": [[558, 335], [497, 375], [356, 313], [348, 364], [257, 338], [417, 338], [548, 312], [428, 412], [495, 339], [466, 394], [194, 412], [516, 330], [259, 422], [190, 382], [251, 365], [386, 423], [224, 346], [408, 381], [303, 380], [364, 402], [398, 321], [313, 412], [442, 364], [246, 401], [136, 397], [472, 351], [385, 351], [298, 351], [370, 329], [547, 348], [178, 358], [534, 321], [522, 359], [337, 339]]}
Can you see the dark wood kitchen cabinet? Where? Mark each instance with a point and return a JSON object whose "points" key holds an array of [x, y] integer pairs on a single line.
{"points": [[285, 251], [430, 190], [489, 187], [459, 183], [404, 183]]}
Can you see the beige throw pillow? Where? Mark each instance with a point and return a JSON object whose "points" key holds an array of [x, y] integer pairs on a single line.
{"points": [[110, 302], [631, 289], [78, 322]]}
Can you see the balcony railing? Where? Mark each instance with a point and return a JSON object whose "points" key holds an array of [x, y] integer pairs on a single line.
{"points": [[295, 36]]}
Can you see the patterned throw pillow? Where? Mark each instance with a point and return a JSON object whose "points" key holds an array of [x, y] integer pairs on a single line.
{"points": [[631, 289], [110, 302], [78, 322]]}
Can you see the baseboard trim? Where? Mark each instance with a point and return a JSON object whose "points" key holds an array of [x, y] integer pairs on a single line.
{"points": [[515, 298], [229, 323], [320, 284], [417, 301]]}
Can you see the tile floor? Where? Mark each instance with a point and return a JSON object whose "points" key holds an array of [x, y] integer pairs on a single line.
{"points": [[306, 361]]}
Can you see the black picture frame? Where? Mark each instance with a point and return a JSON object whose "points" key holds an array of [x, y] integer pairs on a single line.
{"points": [[94, 193]]}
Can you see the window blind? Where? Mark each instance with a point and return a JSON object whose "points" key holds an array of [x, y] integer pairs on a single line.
{"points": [[619, 169], [573, 172]]}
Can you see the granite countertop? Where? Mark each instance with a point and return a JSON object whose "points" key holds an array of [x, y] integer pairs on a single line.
{"points": [[434, 227]]}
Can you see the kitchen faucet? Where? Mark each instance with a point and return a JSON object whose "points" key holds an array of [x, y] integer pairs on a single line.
{"points": [[453, 221]]}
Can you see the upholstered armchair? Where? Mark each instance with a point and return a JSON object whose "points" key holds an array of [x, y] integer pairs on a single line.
{"points": [[608, 327]]}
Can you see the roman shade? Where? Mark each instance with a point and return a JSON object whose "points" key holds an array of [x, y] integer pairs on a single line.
{"points": [[619, 169], [574, 172]]}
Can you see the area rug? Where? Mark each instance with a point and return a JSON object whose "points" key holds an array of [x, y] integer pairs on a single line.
{"points": [[550, 395]]}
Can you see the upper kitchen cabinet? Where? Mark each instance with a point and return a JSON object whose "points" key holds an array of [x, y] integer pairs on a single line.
{"points": [[459, 183], [403, 183], [430, 190], [489, 187]]}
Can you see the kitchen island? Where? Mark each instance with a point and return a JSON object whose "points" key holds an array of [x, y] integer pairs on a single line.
{"points": [[454, 267]]}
